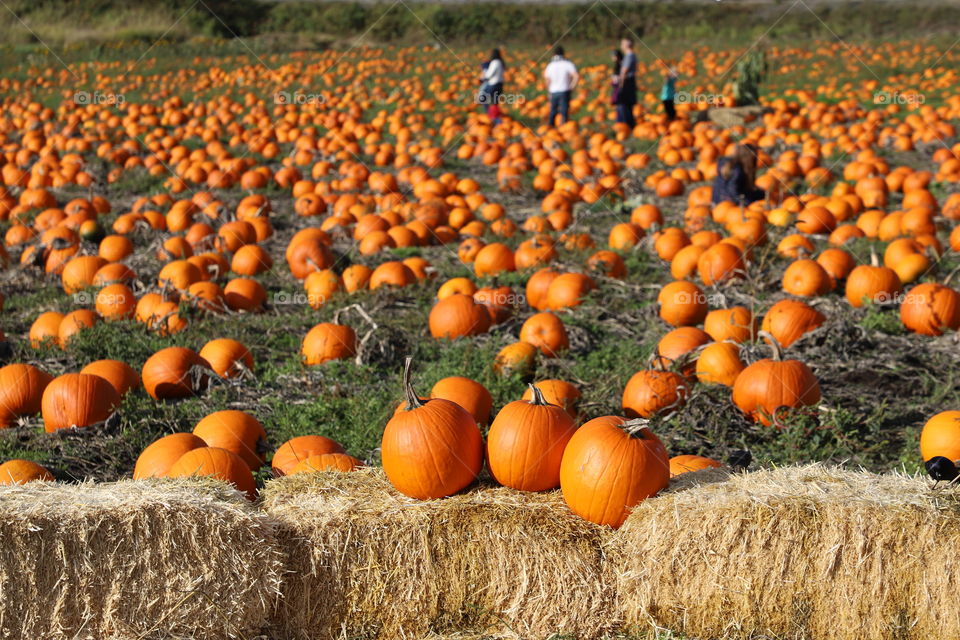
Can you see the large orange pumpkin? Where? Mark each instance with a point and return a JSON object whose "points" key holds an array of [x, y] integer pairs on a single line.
{"points": [[526, 442], [874, 284], [21, 392], [736, 323], [174, 372], [769, 385], [682, 303], [432, 448], [228, 357], [609, 466], [930, 308], [235, 431], [77, 400], [787, 320]]}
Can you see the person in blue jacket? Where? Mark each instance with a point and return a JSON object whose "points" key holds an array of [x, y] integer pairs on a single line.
{"points": [[668, 93], [736, 177]]}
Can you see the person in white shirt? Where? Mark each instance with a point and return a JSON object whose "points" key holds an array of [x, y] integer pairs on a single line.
{"points": [[562, 77], [492, 88]]}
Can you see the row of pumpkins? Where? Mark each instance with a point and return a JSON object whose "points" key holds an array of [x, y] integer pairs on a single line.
{"points": [[432, 447]]}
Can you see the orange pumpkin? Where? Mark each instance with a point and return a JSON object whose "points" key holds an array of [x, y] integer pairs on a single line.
{"points": [[77, 400], [217, 463], [155, 461], [526, 442], [235, 431], [431, 449], [687, 463], [467, 393], [22, 472], [328, 341], [121, 376], [457, 316], [767, 386], [326, 462], [546, 332], [609, 466], [174, 372], [21, 392]]}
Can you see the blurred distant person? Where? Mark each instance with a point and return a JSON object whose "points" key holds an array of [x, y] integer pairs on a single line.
{"points": [[736, 177], [617, 56], [492, 89], [668, 93], [627, 85], [561, 77]]}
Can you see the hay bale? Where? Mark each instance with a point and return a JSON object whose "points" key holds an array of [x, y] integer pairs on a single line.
{"points": [[146, 559], [810, 552], [369, 562]]}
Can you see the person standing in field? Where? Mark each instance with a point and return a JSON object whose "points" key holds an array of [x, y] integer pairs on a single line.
{"points": [[492, 89], [615, 80], [668, 93], [627, 85], [561, 77]]}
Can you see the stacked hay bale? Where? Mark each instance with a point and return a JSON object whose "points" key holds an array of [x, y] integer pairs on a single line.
{"points": [[365, 560], [187, 558], [810, 552]]}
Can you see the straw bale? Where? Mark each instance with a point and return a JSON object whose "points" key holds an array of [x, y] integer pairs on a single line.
{"points": [[803, 552], [368, 562], [145, 559]]}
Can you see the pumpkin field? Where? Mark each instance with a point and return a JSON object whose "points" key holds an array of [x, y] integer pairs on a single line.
{"points": [[475, 378]]}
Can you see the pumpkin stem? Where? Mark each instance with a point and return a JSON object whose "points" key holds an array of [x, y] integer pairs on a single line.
{"points": [[635, 427], [657, 362], [874, 259], [774, 344], [538, 398], [413, 402]]}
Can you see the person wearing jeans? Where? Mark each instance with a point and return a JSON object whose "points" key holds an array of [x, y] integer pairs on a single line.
{"points": [[627, 93], [561, 77]]}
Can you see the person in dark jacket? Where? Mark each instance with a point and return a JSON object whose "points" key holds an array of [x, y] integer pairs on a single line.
{"points": [[627, 85], [736, 177], [615, 79]]}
